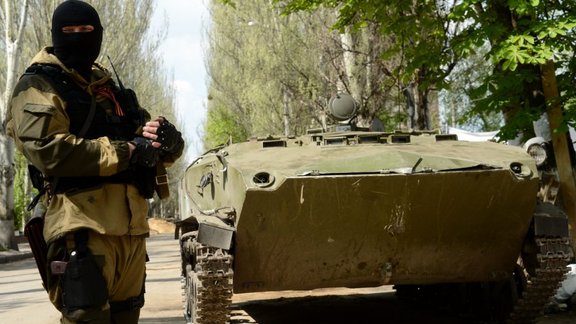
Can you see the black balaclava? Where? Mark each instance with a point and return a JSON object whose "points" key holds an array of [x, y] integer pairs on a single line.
{"points": [[76, 50]]}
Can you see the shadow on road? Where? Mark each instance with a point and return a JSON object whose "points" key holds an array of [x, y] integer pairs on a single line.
{"points": [[358, 309], [163, 320], [369, 308]]}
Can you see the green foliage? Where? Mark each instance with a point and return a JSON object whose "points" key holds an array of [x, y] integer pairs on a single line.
{"points": [[416, 38], [223, 126], [532, 33], [462, 91], [22, 194], [300, 5], [522, 35], [271, 73], [230, 3], [275, 68], [391, 121]]}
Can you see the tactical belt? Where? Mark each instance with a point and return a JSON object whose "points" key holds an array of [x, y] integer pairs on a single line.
{"points": [[70, 184]]}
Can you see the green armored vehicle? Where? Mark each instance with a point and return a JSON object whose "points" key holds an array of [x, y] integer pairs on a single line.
{"points": [[349, 207]]}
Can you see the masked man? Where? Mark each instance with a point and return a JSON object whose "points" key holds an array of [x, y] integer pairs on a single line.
{"points": [[98, 153]]}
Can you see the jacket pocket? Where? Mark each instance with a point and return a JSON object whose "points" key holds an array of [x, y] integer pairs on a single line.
{"points": [[35, 121]]}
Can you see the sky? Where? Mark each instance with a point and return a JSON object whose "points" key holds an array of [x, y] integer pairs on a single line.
{"points": [[183, 53]]}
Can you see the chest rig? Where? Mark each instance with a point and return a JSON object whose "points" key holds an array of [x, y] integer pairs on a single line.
{"points": [[104, 121]]}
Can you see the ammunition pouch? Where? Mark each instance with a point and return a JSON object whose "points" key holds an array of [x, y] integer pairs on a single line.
{"points": [[83, 285]]}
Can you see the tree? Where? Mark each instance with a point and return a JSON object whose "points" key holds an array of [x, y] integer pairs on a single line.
{"points": [[523, 36], [13, 20], [528, 38], [419, 31], [468, 75], [275, 74]]}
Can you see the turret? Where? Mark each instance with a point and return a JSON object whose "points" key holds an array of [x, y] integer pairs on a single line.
{"points": [[343, 109]]}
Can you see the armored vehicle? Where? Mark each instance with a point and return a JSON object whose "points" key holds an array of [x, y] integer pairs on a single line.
{"points": [[350, 207]]}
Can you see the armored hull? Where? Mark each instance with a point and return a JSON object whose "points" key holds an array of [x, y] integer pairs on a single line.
{"points": [[354, 209], [350, 213]]}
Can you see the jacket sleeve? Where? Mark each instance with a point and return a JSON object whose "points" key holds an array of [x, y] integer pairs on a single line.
{"points": [[40, 127]]}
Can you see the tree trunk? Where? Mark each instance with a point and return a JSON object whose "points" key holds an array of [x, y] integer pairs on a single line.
{"points": [[422, 120], [567, 190], [408, 92], [6, 193], [350, 63], [424, 103], [286, 104], [12, 39]]}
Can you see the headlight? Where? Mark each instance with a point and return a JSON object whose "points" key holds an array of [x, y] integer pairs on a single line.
{"points": [[537, 150], [538, 153]]}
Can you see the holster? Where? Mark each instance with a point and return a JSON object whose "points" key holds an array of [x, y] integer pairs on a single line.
{"points": [[83, 285], [34, 232]]}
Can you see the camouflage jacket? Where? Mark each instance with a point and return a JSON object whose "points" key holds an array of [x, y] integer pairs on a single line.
{"points": [[39, 122]]}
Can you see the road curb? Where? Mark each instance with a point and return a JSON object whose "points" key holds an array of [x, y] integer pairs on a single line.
{"points": [[11, 256]]}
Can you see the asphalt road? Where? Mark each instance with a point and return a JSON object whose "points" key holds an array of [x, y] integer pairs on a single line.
{"points": [[23, 300]]}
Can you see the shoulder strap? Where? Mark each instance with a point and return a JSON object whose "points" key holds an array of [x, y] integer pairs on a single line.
{"points": [[51, 70], [81, 134]]}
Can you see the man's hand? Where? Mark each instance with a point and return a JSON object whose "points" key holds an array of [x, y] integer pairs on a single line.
{"points": [[144, 152], [164, 135], [149, 131]]}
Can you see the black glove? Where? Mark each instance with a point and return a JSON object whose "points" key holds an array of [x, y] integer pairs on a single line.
{"points": [[169, 137], [145, 154]]}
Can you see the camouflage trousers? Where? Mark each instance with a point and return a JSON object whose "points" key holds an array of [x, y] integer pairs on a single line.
{"points": [[121, 261]]}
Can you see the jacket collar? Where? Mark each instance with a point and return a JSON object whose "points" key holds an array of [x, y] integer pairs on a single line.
{"points": [[99, 76]]}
